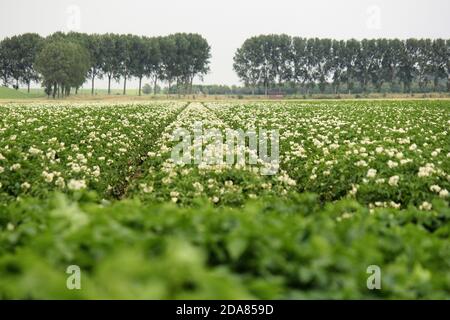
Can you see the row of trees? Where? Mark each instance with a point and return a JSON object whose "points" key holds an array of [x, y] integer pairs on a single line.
{"points": [[65, 61], [274, 60]]}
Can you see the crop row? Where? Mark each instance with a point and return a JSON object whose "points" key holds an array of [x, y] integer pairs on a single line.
{"points": [[381, 153], [73, 147]]}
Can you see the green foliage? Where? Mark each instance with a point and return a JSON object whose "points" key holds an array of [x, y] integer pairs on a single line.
{"points": [[271, 249], [271, 60], [147, 89], [63, 64], [360, 183], [178, 57]]}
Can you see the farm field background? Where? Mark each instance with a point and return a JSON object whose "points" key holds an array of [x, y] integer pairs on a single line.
{"points": [[93, 184]]}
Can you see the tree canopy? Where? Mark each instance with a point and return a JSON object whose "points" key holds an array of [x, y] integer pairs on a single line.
{"points": [[176, 58], [271, 61], [63, 65]]}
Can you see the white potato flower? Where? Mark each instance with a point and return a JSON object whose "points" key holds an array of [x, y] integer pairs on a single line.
{"points": [[426, 171], [60, 182], [48, 177], [425, 206], [393, 181], [361, 163], [15, 167], [25, 186], [392, 164], [76, 184], [146, 188], [435, 188], [228, 183], [371, 173], [215, 199], [34, 151], [443, 193]]}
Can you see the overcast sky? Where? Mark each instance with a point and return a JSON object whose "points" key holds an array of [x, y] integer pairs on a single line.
{"points": [[226, 24]]}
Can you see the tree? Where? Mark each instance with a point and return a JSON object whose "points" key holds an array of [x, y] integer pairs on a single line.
{"points": [[6, 62], [407, 63], [199, 53], [376, 67], [190, 59], [337, 63], [30, 44], [447, 64], [311, 64], [268, 59], [168, 49], [63, 65], [364, 61], [147, 89], [391, 61], [247, 63], [125, 58], [424, 63], [111, 66], [352, 48], [12, 60], [322, 52], [17, 57], [153, 64], [96, 50], [139, 56], [440, 64], [299, 59]]}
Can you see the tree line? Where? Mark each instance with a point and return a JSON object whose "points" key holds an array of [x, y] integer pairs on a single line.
{"points": [[273, 61], [64, 61]]}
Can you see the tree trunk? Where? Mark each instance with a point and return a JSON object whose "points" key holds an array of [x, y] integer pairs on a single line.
{"points": [[54, 90], [92, 90], [125, 86], [435, 84], [109, 84], [17, 84], [76, 90], [154, 85], [140, 82], [28, 85]]}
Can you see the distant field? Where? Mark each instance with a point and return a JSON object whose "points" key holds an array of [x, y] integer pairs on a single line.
{"points": [[86, 91], [132, 93], [8, 93]]}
